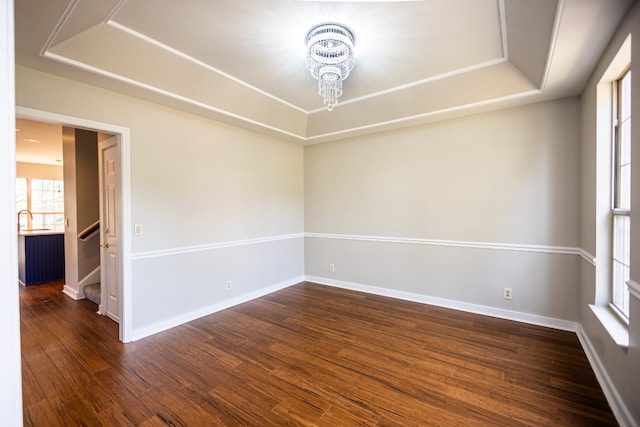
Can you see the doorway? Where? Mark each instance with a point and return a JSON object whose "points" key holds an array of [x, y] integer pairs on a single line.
{"points": [[121, 213]]}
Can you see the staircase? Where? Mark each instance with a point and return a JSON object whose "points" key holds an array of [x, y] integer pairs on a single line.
{"points": [[92, 293]]}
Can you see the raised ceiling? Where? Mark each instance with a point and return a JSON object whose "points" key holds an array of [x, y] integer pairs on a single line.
{"points": [[243, 62]]}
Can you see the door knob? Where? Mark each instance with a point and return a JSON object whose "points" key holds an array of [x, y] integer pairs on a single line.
{"points": [[104, 245]]}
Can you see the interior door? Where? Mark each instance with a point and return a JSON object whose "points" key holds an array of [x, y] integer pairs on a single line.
{"points": [[110, 271]]}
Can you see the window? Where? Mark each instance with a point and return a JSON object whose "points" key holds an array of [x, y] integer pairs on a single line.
{"points": [[621, 196], [44, 198]]}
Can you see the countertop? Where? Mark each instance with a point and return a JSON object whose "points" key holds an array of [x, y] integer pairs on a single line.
{"points": [[40, 231]]}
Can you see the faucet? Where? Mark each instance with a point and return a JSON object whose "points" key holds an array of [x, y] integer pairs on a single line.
{"points": [[20, 213]]}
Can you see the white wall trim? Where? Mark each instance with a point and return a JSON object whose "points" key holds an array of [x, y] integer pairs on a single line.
{"points": [[532, 319], [613, 324], [212, 246], [619, 409], [197, 62], [591, 259], [68, 290], [89, 279], [11, 373], [169, 94], [634, 289], [210, 309], [453, 243]]}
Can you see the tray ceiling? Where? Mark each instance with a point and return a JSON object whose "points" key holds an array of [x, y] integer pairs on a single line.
{"points": [[243, 62]]}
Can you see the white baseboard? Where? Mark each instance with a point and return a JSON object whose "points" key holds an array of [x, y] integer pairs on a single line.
{"points": [[89, 279], [533, 319], [619, 409], [210, 309], [68, 290]]}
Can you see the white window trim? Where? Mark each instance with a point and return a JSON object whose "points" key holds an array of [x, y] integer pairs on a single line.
{"points": [[616, 138], [617, 329], [615, 326]]}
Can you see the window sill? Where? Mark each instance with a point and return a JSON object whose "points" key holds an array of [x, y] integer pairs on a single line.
{"points": [[634, 289], [616, 328]]}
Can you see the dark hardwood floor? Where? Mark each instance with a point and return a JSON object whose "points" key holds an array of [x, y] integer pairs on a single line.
{"points": [[306, 355]]}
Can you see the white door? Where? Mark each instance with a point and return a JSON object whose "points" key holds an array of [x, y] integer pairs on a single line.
{"points": [[110, 268]]}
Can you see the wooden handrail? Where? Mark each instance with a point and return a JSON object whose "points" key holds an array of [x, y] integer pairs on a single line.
{"points": [[89, 232]]}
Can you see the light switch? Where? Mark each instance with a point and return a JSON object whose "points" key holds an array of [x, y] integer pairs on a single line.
{"points": [[137, 229]]}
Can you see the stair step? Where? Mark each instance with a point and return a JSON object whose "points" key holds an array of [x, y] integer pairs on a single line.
{"points": [[92, 293]]}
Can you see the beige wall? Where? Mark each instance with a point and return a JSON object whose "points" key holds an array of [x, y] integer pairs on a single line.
{"points": [[194, 180], [505, 177], [470, 206], [202, 191], [36, 170], [87, 199], [622, 366], [455, 210], [81, 206]]}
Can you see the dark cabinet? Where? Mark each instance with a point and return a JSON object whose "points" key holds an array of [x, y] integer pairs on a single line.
{"points": [[40, 258]]}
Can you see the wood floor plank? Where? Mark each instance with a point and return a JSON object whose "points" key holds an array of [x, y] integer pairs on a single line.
{"points": [[41, 414], [307, 355]]}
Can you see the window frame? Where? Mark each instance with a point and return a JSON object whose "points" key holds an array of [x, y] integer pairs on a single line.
{"points": [[616, 212], [30, 218]]}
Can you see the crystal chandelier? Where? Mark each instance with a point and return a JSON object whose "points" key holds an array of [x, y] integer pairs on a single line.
{"points": [[330, 58]]}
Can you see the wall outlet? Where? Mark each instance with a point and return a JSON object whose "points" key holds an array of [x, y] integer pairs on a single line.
{"points": [[137, 229], [507, 293], [332, 268], [229, 284]]}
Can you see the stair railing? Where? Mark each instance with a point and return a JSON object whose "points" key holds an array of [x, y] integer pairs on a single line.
{"points": [[89, 232]]}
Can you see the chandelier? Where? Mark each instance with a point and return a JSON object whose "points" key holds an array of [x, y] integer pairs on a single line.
{"points": [[330, 58]]}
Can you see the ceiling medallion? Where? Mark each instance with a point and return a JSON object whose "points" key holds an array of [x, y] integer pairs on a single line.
{"points": [[330, 58]]}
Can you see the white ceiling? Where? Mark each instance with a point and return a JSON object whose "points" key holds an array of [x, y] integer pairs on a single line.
{"points": [[243, 62], [38, 142]]}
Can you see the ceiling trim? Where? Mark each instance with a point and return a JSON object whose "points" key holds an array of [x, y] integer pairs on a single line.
{"points": [[488, 55], [58, 27], [193, 60], [419, 117], [115, 10], [47, 52], [552, 45], [172, 95], [432, 79], [503, 29], [301, 138]]}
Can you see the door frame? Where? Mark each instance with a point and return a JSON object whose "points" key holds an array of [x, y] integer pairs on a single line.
{"points": [[123, 140]]}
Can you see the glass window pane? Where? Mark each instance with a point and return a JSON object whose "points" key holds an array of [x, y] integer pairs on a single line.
{"points": [[621, 239], [38, 221], [36, 195], [46, 204], [625, 142], [621, 262], [58, 221], [624, 201], [21, 194], [625, 96]]}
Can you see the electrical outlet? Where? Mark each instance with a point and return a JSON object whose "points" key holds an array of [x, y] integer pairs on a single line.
{"points": [[137, 229], [332, 268], [228, 284], [507, 293]]}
